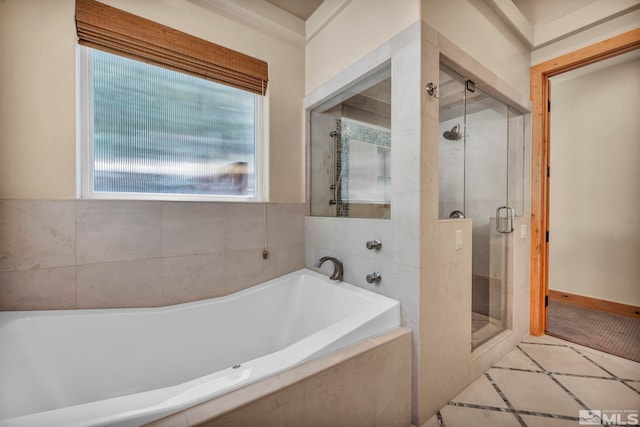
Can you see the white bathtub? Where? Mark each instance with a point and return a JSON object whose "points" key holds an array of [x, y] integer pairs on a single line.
{"points": [[124, 367]]}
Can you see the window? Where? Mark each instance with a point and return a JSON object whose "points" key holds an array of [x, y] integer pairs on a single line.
{"points": [[159, 132], [158, 126], [367, 162]]}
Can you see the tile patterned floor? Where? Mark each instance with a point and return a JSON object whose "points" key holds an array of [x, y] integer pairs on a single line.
{"points": [[545, 382]]}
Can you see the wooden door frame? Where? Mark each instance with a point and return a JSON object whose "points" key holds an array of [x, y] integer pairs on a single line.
{"points": [[540, 97]]}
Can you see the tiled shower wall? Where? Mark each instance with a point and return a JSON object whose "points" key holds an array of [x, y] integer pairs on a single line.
{"points": [[103, 254]]}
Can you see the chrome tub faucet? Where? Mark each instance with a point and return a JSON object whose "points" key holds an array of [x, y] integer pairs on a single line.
{"points": [[338, 269]]}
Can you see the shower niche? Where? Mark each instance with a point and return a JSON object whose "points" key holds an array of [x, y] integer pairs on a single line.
{"points": [[350, 174], [481, 178]]}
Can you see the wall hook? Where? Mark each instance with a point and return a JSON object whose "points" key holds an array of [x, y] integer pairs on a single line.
{"points": [[432, 90]]}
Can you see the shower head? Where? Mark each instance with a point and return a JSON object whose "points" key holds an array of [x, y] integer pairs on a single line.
{"points": [[333, 134], [454, 134]]}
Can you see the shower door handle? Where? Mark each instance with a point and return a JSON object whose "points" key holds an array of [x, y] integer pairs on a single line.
{"points": [[510, 214]]}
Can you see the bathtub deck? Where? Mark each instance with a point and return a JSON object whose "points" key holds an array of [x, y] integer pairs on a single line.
{"points": [[365, 384]]}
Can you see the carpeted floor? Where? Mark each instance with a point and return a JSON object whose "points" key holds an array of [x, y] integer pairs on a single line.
{"points": [[608, 332]]}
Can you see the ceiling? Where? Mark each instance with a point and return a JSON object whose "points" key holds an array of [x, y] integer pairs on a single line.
{"points": [[300, 8], [540, 12], [537, 12]]}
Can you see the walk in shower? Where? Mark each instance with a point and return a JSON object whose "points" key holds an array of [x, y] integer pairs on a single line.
{"points": [[481, 178]]}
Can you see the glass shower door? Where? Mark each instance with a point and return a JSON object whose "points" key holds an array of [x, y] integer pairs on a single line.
{"points": [[481, 165], [486, 203]]}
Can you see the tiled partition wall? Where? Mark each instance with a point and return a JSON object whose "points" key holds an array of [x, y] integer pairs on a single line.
{"points": [[101, 254], [420, 263], [398, 261]]}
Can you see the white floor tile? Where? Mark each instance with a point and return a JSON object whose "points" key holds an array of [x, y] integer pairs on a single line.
{"points": [[601, 394], [538, 392], [481, 392], [456, 416], [562, 359], [433, 422], [621, 368], [518, 360], [534, 392], [534, 421]]}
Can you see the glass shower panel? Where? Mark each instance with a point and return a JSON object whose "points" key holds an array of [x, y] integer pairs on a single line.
{"points": [[481, 178], [451, 145], [486, 190]]}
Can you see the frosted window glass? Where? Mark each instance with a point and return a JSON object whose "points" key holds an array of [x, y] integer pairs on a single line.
{"points": [[366, 158], [160, 131]]}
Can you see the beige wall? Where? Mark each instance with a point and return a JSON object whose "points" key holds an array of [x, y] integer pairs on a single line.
{"points": [[591, 35], [358, 29], [364, 25], [37, 105], [37, 108], [475, 28], [594, 199]]}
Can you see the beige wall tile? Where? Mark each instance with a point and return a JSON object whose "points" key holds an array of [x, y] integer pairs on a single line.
{"points": [[289, 259], [277, 410], [366, 384], [120, 284], [190, 228], [405, 215], [285, 222], [38, 289], [245, 226], [36, 234], [117, 231], [176, 420], [247, 268], [192, 278]]}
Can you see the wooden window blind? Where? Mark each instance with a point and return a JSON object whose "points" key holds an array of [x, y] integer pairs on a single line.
{"points": [[106, 28]]}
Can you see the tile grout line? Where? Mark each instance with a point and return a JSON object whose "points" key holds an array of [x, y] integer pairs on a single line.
{"points": [[566, 374], [544, 371], [544, 343], [550, 375], [511, 411], [506, 368], [506, 401], [615, 377], [629, 386], [518, 412]]}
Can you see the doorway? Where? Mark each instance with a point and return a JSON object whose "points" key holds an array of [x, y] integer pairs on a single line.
{"points": [[540, 95]]}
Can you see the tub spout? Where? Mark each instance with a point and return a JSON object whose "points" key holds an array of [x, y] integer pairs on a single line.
{"points": [[338, 270]]}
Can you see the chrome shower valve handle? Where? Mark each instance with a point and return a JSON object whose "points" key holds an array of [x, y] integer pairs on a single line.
{"points": [[374, 244], [374, 277]]}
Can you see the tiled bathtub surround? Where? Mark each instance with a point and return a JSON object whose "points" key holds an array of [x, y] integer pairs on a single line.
{"points": [[366, 384], [99, 254]]}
